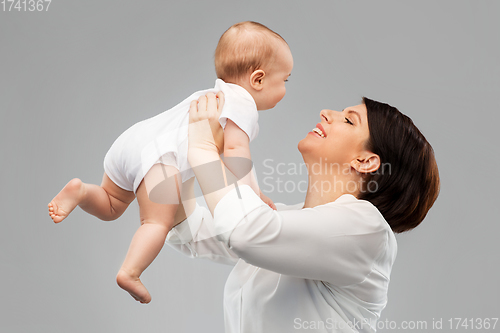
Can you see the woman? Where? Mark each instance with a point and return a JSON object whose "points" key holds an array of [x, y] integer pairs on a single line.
{"points": [[323, 265]]}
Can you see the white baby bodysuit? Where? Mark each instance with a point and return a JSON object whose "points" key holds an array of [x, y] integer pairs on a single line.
{"points": [[164, 137]]}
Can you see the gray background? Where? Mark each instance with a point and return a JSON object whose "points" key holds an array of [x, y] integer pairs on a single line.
{"points": [[73, 78]]}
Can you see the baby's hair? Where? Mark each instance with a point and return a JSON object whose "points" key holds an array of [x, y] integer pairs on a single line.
{"points": [[244, 47]]}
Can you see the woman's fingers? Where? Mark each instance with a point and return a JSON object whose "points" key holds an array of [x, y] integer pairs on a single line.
{"points": [[193, 112], [202, 112], [220, 96], [202, 107], [208, 106], [211, 104]]}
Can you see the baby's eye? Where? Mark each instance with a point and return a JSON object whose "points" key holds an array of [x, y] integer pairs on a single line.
{"points": [[348, 121], [286, 80]]}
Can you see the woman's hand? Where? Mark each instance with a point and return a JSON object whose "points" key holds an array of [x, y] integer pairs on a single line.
{"points": [[205, 131], [206, 140]]}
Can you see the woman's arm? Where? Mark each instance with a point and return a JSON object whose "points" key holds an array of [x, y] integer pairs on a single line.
{"points": [[205, 135], [195, 238]]}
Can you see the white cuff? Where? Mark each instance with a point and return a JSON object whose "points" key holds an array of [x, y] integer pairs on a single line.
{"points": [[231, 211], [183, 232]]}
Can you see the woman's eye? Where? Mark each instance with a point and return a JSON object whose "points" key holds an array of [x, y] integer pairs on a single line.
{"points": [[348, 121]]}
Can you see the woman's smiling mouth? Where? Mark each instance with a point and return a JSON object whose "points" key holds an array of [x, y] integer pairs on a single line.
{"points": [[319, 130]]}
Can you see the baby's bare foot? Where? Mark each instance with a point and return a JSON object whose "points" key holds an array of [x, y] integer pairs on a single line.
{"points": [[64, 202], [134, 287]]}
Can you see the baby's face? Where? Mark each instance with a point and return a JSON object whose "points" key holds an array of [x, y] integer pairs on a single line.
{"points": [[274, 82]]}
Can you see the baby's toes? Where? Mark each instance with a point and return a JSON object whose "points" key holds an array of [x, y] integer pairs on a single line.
{"points": [[56, 218], [52, 208], [53, 212]]}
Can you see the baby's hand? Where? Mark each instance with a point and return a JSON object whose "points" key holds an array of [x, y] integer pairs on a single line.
{"points": [[268, 201]]}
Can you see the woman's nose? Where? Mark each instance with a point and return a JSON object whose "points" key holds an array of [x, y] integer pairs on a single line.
{"points": [[328, 115]]}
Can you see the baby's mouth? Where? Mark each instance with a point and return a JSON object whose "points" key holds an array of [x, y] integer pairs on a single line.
{"points": [[319, 132]]}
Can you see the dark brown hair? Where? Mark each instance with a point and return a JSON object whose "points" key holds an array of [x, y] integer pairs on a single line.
{"points": [[406, 185], [244, 47]]}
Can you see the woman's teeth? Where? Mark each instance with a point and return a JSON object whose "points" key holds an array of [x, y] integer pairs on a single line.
{"points": [[319, 132]]}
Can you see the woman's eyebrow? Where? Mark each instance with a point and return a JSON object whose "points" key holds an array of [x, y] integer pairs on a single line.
{"points": [[356, 113]]}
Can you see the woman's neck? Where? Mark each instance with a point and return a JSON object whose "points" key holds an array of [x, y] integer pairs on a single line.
{"points": [[327, 187]]}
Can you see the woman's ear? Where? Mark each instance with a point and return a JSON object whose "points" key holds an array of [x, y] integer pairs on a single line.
{"points": [[257, 79], [366, 164]]}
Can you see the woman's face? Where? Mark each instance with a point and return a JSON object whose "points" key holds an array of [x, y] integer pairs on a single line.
{"points": [[339, 137]]}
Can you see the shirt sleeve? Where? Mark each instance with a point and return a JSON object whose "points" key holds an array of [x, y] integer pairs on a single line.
{"points": [[195, 238], [240, 107], [338, 242], [248, 122]]}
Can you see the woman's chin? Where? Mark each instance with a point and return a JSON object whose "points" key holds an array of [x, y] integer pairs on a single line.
{"points": [[301, 145], [311, 149], [304, 145]]}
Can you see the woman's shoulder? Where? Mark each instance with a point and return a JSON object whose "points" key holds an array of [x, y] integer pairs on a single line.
{"points": [[282, 207], [347, 213], [357, 216]]}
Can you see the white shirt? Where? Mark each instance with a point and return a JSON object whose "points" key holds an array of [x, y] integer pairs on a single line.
{"points": [[321, 269], [164, 137]]}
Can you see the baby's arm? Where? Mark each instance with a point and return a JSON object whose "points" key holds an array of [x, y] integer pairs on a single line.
{"points": [[236, 141], [237, 144]]}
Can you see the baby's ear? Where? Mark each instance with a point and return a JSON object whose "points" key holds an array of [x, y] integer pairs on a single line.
{"points": [[257, 79]]}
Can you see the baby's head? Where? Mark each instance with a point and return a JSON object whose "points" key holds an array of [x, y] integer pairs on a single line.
{"points": [[258, 59]]}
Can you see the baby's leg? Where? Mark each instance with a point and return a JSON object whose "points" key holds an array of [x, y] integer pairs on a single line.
{"points": [[107, 202], [158, 200]]}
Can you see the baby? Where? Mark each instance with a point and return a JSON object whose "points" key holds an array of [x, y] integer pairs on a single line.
{"points": [[149, 160]]}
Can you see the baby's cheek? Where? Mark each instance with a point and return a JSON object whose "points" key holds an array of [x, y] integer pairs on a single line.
{"points": [[283, 94]]}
